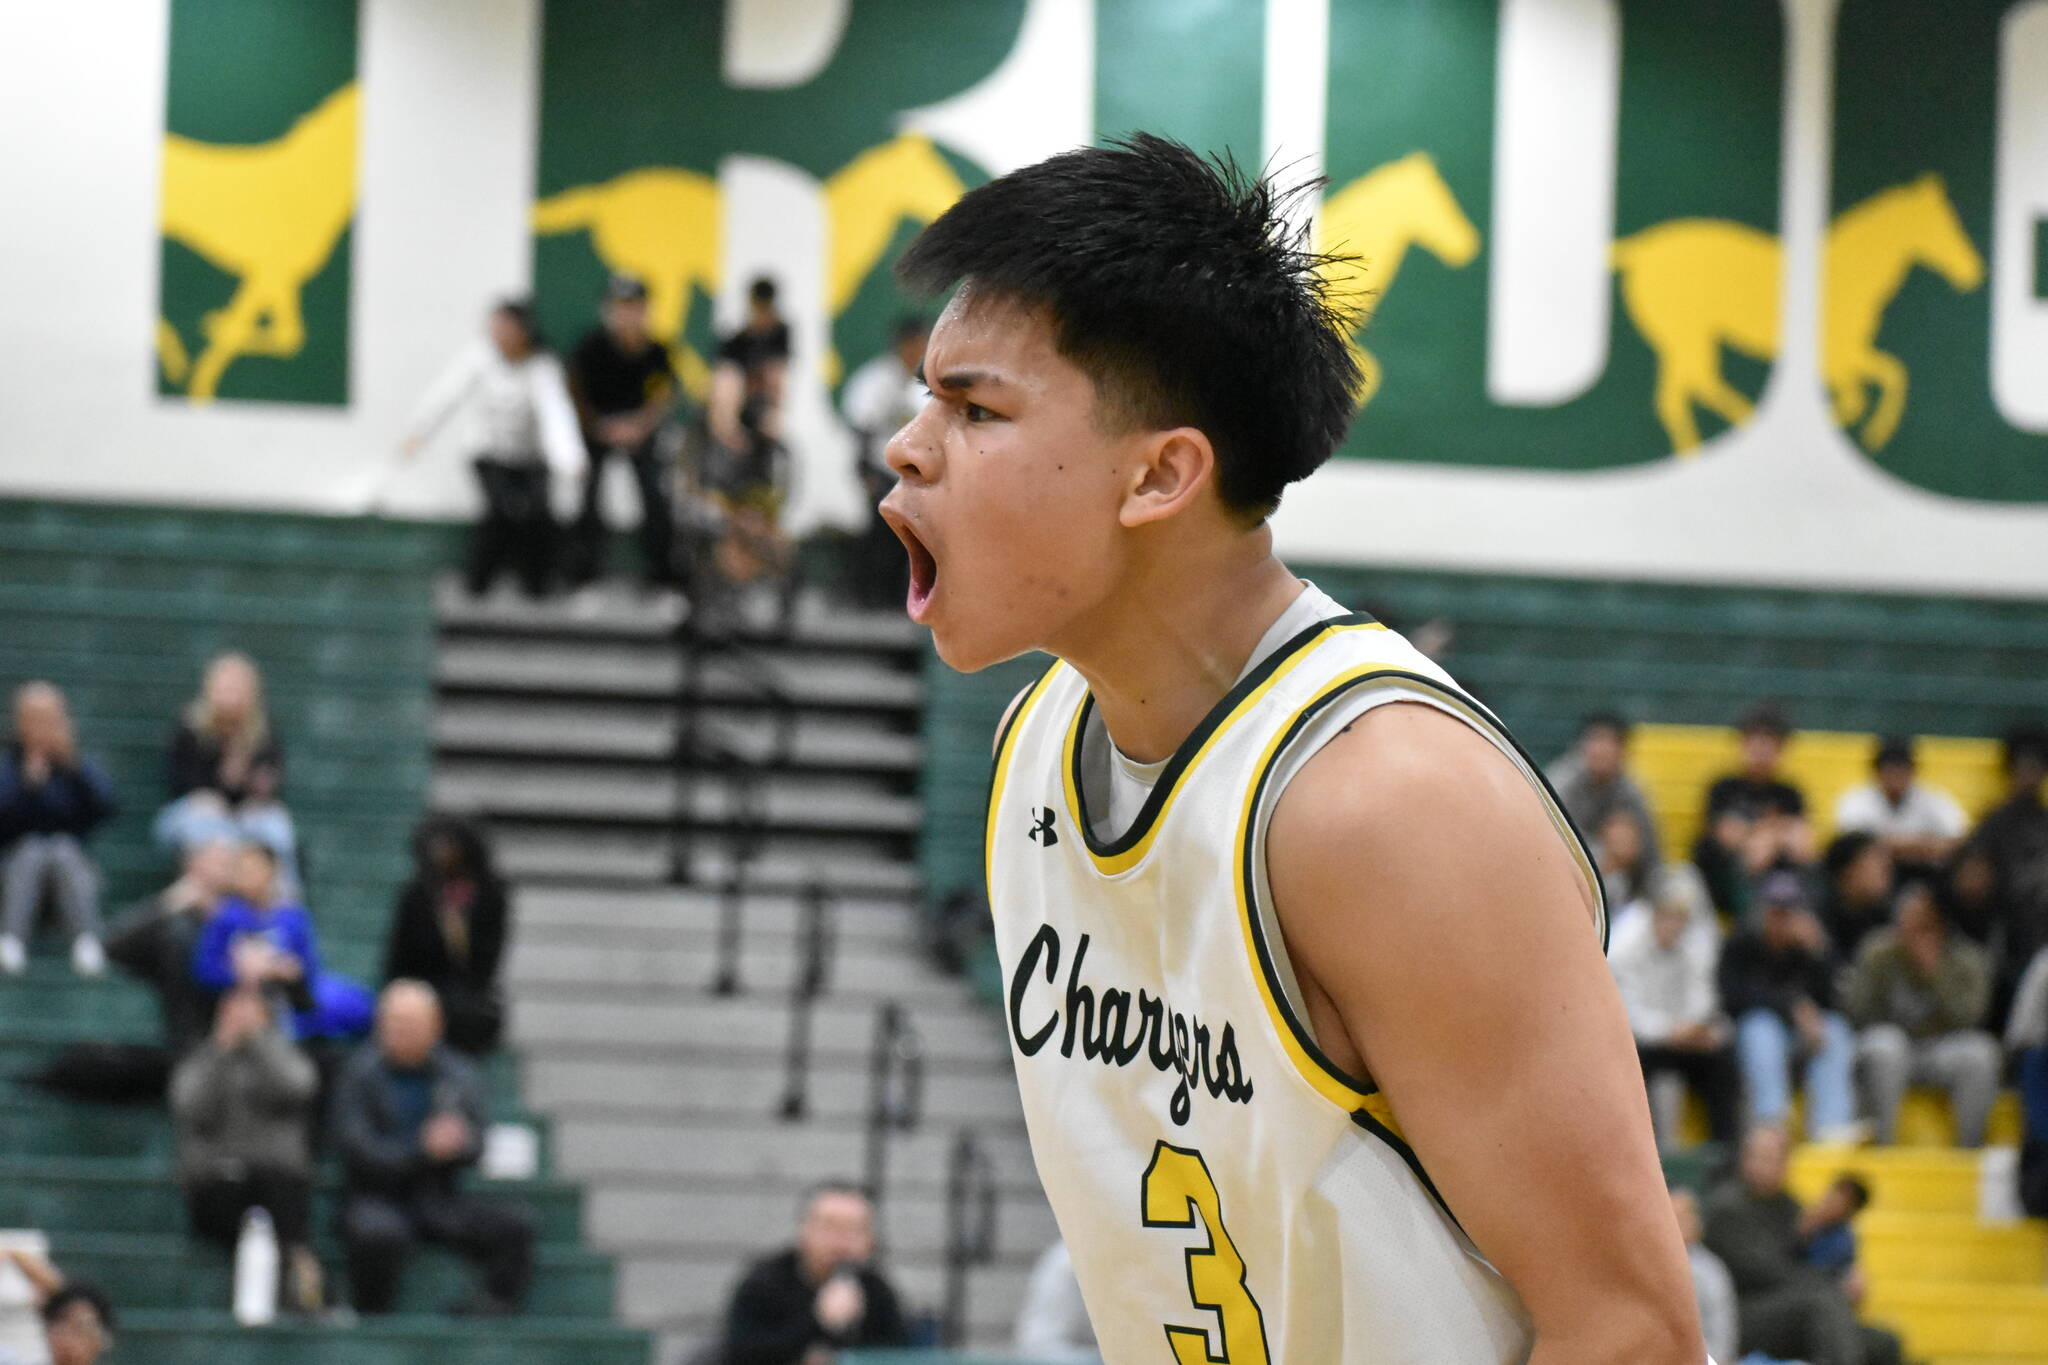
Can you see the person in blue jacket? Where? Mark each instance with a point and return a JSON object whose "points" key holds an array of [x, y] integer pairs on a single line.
{"points": [[257, 937]]}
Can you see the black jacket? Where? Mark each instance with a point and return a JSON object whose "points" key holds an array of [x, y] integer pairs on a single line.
{"points": [[1754, 975], [381, 1155], [418, 949], [195, 764], [771, 1321]]}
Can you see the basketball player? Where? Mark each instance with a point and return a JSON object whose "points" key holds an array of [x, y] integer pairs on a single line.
{"points": [[1320, 1057]]}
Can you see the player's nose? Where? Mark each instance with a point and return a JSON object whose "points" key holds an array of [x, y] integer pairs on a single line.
{"points": [[913, 453]]}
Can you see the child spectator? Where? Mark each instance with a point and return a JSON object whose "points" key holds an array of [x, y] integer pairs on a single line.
{"points": [[1592, 782], [449, 930], [263, 940], [241, 1101], [1621, 848], [1755, 820], [1919, 824], [1828, 1226], [1919, 993], [1664, 956], [51, 800], [1777, 980], [227, 769]]}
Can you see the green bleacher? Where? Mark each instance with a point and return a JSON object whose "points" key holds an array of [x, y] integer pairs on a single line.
{"points": [[122, 607]]}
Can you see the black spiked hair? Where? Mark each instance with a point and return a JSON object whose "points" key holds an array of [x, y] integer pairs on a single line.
{"points": [[1178, 285]]}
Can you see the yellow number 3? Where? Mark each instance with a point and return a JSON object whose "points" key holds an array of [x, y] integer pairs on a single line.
{"points": [[1177, 1188]]}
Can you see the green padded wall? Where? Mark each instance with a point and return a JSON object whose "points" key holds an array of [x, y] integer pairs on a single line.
{"points": [[122, 607], [1543, 652]]}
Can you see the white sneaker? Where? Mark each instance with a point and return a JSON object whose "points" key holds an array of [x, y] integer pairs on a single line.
{"points": [[13, 957], [87, 957]]}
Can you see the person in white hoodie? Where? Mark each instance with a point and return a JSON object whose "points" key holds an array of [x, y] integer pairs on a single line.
{"points": [[1663, 953], [527, 449]]}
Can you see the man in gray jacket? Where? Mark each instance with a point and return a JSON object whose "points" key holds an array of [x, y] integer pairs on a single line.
{"points": [[241, 1100], [409, 1118]]}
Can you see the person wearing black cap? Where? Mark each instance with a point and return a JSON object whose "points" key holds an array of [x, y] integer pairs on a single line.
{"points": [[1756, 820], [625, 387], [1777, 981], [1921, 825]]}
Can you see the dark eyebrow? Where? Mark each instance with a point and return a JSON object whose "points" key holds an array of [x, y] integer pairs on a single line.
{"points": [[960, 380]]}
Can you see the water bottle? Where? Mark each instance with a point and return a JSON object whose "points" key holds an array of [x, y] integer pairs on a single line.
{"points": [[256, 1270]]}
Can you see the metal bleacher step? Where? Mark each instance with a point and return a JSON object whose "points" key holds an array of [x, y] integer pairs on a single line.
{"points": [[855, 971], [684, 911], [643, 733], [616, 609], [593, 792], [612, 669], [572, 1082], [190, 1337], [646, 858], [762, 1148], [959, 1033]]}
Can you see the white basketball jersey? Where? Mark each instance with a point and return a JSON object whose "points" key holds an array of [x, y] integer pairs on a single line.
{"points": [[1227, 1194]]}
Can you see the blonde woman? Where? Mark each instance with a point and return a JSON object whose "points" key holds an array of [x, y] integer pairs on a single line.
{"points": [[227, 769]]}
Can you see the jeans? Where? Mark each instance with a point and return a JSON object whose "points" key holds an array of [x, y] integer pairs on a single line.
{"points": [[201, 817], [1765, 1044], [1965, 1063], [56, 861]]}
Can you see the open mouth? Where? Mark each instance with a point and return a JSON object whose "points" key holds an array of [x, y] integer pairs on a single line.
{"points": [[924, 571]]}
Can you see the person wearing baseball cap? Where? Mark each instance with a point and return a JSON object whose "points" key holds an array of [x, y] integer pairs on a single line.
{"points": [[625, 387]]}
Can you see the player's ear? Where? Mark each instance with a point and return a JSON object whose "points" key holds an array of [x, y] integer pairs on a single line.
{"points": [[1170, 470]]}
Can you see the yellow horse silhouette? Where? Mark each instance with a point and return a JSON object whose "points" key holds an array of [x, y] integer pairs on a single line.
{"points": [[1373, 221], [268, 213], [661, 225], [1694, 285]]}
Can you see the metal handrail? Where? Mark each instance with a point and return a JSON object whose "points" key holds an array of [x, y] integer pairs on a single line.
{"points": [[895, 1092], [814, 969], [970, 1228], [694, 750]]}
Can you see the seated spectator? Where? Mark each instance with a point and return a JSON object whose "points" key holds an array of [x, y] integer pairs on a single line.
{"points": [[51, 800], [625, 387], [78, 1324], [745, 466], [260, 939], [1999, 885], [1664, 956], [1919, 824], [1592, 782], [227, 770], [1787, 1308], [1053, 1322], [1829, 1228], [1777, 980], [155, 941], [800, 1306], [240, 1101], [1621, 849], [449, 930], [1755, 820], [1858, 878], [878, 400], [1712, 1289], [2026, 1038], [409, 1118], [1918, 994]]}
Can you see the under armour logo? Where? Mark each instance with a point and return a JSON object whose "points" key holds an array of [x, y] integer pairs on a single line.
{"points": [[1043, 832]]}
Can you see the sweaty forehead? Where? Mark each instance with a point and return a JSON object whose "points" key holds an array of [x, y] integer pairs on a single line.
{"points": [[1007, 340]]}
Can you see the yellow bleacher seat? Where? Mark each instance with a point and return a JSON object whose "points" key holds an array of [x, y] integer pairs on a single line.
{"points": [[1677, 763]]}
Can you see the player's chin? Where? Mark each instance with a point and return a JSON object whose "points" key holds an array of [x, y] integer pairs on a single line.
{"points": [[969, 638]]}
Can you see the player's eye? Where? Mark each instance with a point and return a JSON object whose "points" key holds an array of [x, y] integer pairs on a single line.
{"points": [[977, 413]]}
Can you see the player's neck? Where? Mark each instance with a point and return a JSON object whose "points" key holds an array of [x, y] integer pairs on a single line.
{"points": [[1174, 639]]}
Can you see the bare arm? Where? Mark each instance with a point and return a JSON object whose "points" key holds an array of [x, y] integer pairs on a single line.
{"points": [[1443, 936]]}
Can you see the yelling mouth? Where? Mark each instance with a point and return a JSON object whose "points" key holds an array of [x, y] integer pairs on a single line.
{"points": [[924, 571]]}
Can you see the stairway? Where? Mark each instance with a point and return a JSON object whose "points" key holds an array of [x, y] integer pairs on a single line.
{"points": [[1960, 1289], [558, 723]]}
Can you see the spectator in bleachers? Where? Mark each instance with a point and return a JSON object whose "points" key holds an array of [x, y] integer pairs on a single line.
{"points": [[2026, 1038], [745, 465], [1918, 994], [1592, 781], [155, 941], [625, 387], [879, 398], [409, 1119], [52, 798], [448, 930], [1621, 850], [1053, 1324], [1664, 955], [261, 939], [1829, 1230], [227, 769], [1755, 819], [1712, 1287], [1787, 1308], [803, 1305], [1777, 981], [241, 1101], [1999, 885], [525, 446], [1857, 881], [1919, 824], [78, 1324]]}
